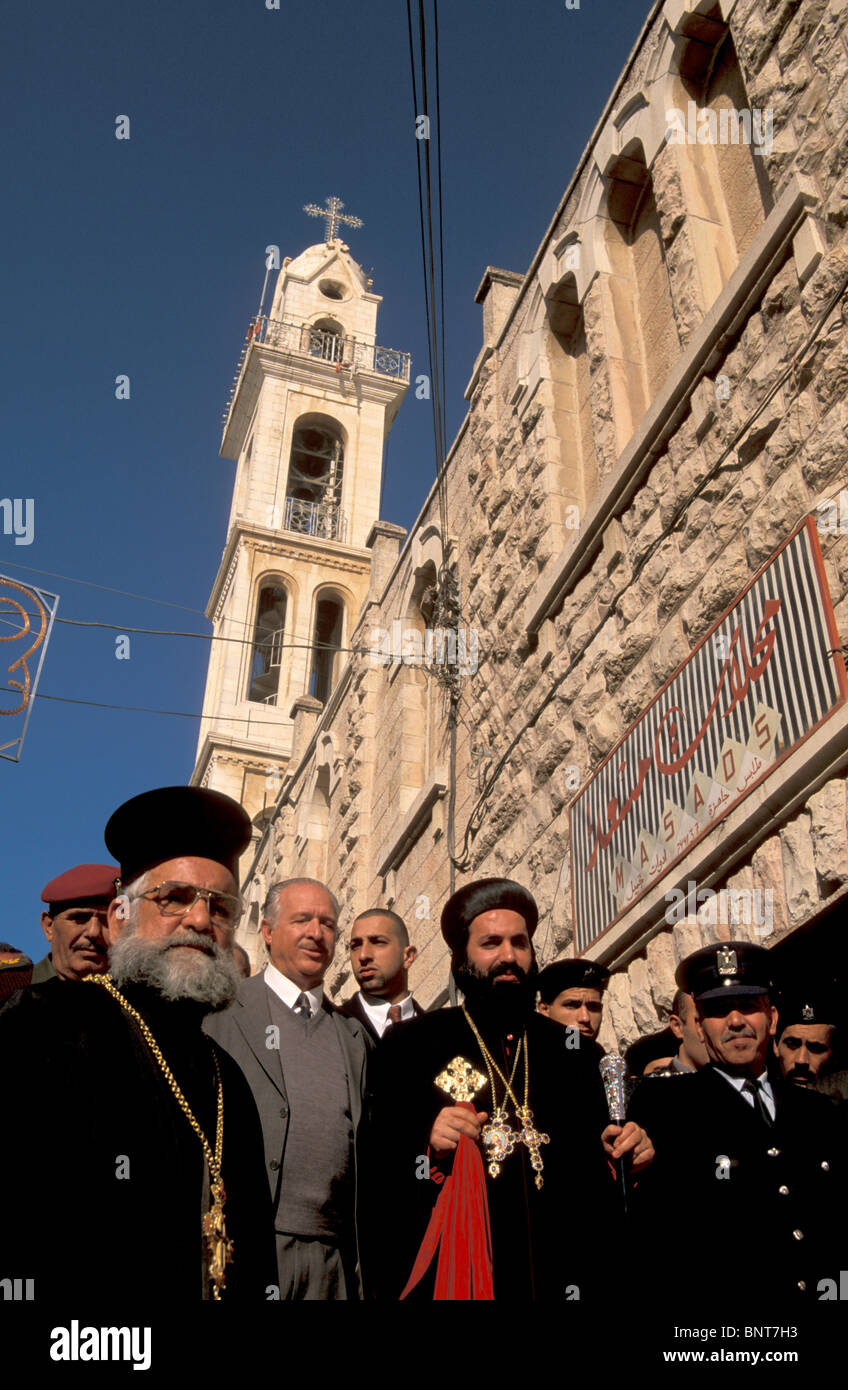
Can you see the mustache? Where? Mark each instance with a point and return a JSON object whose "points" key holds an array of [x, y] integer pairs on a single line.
{"points": [[187, 937], [505, 969]]}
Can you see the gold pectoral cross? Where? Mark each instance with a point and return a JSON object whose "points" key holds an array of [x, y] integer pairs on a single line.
{"points": [[460, 1080], [219, 1247], [533, 1139]]}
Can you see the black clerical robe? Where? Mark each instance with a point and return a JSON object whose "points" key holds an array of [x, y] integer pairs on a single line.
{"points": [[547, 1243], [743, 1193], [103, 1177]]}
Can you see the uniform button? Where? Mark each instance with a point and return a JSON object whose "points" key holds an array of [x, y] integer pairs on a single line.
{"points": [[799, 1235], [826, 1167], [784, 1191], [802, 1286], [284, 1110], [274, 1165], [772, 1153]]}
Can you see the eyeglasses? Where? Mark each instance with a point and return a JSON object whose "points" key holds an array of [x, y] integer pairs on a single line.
{"points": [[177, 899]]}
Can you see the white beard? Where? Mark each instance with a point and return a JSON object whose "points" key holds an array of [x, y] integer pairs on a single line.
{"points": [[208, 976]]}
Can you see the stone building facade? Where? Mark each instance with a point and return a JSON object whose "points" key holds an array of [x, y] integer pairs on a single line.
{"points": [[658, 404]]}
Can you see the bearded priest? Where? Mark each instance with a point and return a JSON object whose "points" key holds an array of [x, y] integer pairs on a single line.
{"points": [[491, 1133], [132, 1163]]}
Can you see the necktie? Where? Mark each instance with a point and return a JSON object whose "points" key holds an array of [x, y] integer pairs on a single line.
{"points": [[394, 1016], [302, 1006], [760, 1106]]}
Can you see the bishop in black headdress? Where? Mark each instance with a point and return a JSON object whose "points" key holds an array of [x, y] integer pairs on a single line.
{"points": [[537, 1117]]}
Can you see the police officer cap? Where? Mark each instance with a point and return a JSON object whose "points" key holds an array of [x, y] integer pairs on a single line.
{"points": [[485, 895], [571, 974], [175, 823], [816, 1004], [727, 968], [85, 883]]}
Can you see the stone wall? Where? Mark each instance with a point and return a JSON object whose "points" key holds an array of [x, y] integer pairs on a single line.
{"points": [[581, 620]]}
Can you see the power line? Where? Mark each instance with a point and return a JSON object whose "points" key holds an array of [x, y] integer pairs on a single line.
{"points": [[107, 588], [143, 709]]}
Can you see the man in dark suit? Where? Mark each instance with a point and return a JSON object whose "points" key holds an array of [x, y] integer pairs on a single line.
{"points": [[305, 1064], [548, 1191], [756, 1168], [380, 956]]}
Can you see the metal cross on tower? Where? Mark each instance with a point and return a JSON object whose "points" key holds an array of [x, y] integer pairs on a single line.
{"points": [[334, 215]]}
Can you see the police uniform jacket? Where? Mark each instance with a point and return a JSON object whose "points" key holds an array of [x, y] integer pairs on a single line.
{"points": [[733, 1183]]}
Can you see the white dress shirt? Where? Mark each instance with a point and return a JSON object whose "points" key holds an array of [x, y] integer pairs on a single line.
{"points": [[377, 1011], [289, 992], [763, 1086]]}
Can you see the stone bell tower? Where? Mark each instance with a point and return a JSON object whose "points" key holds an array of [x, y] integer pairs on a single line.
{"points": [[312, 405]]}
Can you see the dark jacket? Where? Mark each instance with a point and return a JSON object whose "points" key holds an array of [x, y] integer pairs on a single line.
{"points": [[44, 970], [242, 1031], [734, 1184], [544, 1241], [103, 1175], [352, 1008]]}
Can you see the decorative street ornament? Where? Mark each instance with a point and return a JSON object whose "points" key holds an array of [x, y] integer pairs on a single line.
{"points": [[26, 621]]}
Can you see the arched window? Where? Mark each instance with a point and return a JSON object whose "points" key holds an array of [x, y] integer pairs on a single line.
{"points": [[326, 340], [314, 487], [327, 640], [719, 149], [642, 343], [566, 363], [268, 635]]}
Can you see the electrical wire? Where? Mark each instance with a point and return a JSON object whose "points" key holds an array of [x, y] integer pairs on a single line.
{"points": [[107, 588], [144, 709]]}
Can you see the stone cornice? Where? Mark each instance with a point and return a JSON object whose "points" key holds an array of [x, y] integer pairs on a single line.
{"points": [[350, 386], [410, 829], [284, 545]]}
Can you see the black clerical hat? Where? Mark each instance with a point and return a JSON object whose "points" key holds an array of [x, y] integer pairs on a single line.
{"points": [[173, 823], [485, 895], [727, 968], [571, 974], [806, 1004]]}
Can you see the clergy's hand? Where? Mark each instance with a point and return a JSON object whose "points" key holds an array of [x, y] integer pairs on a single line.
{"points": [[449, 1124], [632, 1140]]}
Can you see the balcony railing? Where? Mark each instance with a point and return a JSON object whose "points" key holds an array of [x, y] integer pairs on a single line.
{"points": [[340, 350], [320, 519]]}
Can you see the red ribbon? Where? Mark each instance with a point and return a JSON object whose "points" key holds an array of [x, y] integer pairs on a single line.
{"points": [[459, 1229]]}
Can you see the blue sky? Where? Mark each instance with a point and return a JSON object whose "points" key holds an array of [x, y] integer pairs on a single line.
{"points": [[146, 257]]}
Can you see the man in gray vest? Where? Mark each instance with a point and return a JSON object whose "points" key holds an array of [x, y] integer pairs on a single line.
{"points": [[306, 1067]]}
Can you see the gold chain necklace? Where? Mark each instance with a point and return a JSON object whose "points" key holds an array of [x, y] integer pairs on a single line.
{"points": [[218, 1247], [499, 1139]]}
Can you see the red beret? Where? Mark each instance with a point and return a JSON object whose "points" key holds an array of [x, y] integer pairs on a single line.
{"points": [[83, 884]]}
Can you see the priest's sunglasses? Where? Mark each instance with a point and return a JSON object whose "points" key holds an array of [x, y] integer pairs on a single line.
{"points": [[176, 899]]}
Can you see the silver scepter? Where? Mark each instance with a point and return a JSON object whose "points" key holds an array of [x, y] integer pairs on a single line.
{"points": [[612, 1069]]}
